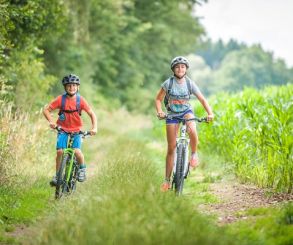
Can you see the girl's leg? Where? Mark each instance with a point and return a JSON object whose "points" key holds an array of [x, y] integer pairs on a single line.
{"points": [[172, 130], [191, 129]]}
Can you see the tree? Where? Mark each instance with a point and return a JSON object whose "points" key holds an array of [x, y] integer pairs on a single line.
{"points": [[250, 67]]}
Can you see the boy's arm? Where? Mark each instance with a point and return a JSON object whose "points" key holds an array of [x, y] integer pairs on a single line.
{"points": [[93, 117], [47, 113]]}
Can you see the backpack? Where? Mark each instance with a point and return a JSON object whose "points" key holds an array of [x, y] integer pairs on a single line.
{"points": [[166, 98], [62, 110]]}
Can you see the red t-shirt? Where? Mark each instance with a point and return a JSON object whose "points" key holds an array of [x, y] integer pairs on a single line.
{"points": [[73, 121]]}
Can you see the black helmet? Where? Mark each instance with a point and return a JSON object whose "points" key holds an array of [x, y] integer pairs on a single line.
{"points": [[71, 78], [179, 60]]}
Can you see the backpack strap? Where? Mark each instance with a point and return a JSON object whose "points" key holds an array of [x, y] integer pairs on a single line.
{"points": [[63, 100], [78, 104], [188, 85], [171, 81]]}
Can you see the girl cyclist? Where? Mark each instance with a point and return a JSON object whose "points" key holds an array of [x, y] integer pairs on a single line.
{"points": [[177, 90]]}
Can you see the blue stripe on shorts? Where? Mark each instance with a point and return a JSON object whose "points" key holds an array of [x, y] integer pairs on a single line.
{"points": [[62, 141], [176, 121]]}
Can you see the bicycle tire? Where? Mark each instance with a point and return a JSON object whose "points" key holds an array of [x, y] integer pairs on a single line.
{"points": [[179, 173], [73, 177], [61, 177]]}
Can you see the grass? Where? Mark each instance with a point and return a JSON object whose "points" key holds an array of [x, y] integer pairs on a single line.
{"points": [[269, 226], [22, 206], [123, 205]]}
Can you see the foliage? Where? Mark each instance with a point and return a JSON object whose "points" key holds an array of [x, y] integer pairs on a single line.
{"points": [[214, 53], [250, 67], [252, 130], [271, 223], [233, 66], [23, 146]]}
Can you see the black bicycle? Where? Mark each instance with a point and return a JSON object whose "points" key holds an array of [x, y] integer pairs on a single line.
{"points": [[181, 162], [68, 170]]}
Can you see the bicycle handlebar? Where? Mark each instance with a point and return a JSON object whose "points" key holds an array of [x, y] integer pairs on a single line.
{"points": [[83, 133], [203, 119]]}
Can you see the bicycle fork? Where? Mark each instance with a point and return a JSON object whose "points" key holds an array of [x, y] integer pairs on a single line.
{"points": [[185, 142]]}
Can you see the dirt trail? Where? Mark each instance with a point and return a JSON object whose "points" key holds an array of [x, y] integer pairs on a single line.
{"points": [[235, 198]]}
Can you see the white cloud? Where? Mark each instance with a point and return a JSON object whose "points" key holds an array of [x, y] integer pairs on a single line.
{"points": [[268, 22]]}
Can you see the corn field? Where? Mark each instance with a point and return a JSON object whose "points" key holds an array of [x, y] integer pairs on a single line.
{"points": [[253, 132]]}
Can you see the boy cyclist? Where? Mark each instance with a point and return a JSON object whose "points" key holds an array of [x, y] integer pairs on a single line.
{"points": [[70, 106], [178, 89]]}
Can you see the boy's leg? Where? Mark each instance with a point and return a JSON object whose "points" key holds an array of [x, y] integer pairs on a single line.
{"points": [[60, 145], [58, 159], [80, 158]]}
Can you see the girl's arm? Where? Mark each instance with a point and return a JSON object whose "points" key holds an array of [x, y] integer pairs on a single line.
{"points": [[206, 105], [158, 103]]}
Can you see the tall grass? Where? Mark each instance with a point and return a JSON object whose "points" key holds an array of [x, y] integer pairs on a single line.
{"points": [[24, 147], [253, 131], [123, 205]]}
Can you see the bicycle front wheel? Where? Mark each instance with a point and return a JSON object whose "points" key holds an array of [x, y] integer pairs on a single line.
{"points": [[179, 172], [61, 177]]}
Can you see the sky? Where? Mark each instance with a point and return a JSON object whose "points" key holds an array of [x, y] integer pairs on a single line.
{"points": [[268, 22]]}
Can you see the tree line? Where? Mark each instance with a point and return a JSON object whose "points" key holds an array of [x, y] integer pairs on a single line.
{"points": [[123, 48]]}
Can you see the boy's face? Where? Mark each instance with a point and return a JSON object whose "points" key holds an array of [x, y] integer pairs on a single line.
{"points": [[71, 88]]}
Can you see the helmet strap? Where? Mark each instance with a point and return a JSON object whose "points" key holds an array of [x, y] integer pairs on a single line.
{"points": [[179, 77], [70, 95]]}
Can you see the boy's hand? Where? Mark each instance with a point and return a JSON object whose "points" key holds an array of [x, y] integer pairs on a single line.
{"points": [[93, 131], [52, 125]]}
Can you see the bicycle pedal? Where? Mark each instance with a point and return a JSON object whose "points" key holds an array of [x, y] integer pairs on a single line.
{"points": [[52, 184]]}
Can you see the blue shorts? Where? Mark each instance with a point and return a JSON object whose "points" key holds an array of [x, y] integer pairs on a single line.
{"points": [[176, 121], [62, 141]]}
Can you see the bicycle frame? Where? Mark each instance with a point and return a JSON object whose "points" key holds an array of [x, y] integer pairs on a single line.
{"points": [[66, 177], [184, 140], [181, 162], [70, 151]]}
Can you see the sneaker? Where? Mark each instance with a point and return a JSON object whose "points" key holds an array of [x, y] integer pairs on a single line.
{"points": [[194, 161], [81, 175], [165, 186], [53, 182]]}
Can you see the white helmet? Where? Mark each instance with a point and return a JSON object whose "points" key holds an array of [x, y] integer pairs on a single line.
{"points": [[179, 60]]}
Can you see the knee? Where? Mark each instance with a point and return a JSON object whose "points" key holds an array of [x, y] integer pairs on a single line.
{"points": [[59, 152], [171, 149], [78, 153]]}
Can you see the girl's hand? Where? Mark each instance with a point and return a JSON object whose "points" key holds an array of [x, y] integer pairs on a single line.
{"points": [[210, 117], [161, 115]]}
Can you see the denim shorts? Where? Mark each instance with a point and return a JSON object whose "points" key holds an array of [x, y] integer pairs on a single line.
{"points": [[62, 141], [176, 121]]}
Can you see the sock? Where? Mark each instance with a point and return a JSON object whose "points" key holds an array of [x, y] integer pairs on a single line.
{"points": [[83, 165]]}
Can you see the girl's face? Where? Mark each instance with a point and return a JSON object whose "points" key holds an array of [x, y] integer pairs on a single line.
{"points": [[71, 88], [180, 70]]}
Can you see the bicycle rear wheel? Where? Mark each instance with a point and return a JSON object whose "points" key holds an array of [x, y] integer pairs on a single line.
{"points": [[61, 177], [179, 172]]}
